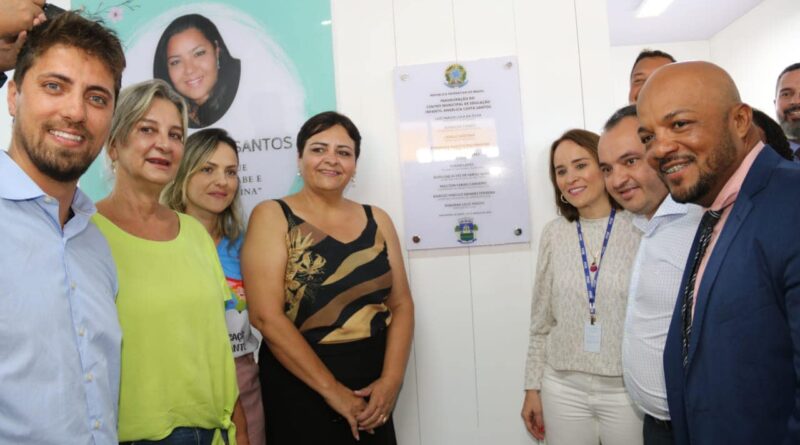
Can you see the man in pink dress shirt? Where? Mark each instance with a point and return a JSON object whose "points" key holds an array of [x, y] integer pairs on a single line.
{"points": [[732, 357]]}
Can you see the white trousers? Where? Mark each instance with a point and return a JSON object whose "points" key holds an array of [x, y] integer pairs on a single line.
{"points": [[587, 409]]}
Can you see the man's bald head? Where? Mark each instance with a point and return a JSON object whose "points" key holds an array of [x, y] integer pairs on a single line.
{"points": [[714, 83], [694, 125]]}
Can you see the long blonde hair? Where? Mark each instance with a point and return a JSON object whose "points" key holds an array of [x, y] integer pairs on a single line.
{"points": [[198, 149]]}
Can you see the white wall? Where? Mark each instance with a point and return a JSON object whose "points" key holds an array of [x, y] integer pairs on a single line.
{"points": [[465, 379], [622, 58], [754, 50], [757, 47]]}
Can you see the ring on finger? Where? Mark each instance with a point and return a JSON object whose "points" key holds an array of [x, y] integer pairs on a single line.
{"points": [[383, 418]]}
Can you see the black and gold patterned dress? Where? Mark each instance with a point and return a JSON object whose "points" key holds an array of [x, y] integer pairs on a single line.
{"points": [[335, 294]]}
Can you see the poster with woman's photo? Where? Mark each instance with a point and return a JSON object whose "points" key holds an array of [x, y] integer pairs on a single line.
{"points": [[256, 69]]}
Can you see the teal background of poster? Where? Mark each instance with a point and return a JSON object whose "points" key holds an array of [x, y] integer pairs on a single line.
{"points": [[302, 29]]}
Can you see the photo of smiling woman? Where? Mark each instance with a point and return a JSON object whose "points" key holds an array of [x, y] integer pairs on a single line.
{"points": [[192, 57], [574, 390]]}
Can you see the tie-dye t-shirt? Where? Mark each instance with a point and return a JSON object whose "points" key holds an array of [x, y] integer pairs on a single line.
{"points": [[243, 341]]}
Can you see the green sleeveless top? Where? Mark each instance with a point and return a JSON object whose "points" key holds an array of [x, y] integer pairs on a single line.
{"points": [[336, 292], [177, 365]]}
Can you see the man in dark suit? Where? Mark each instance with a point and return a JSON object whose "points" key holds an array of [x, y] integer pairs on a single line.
{"points": [[732, 356], [787, 105]]}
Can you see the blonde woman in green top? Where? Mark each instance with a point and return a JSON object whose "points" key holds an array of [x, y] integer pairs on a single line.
{"points": [[178, 380]]}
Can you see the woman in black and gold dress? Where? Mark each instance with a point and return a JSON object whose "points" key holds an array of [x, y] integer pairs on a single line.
{"points": [[327, 288]]}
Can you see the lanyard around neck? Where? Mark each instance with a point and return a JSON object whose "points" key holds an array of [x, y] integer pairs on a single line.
{"points": [[591, 281]]}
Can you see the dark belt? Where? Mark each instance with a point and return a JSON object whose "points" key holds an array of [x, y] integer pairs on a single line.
{"points": [[663, 424]]}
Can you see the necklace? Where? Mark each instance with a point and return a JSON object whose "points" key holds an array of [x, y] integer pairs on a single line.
{"points": [[594, 254]]}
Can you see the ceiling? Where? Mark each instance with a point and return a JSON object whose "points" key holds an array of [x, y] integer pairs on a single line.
{"points": [[684, 20]]}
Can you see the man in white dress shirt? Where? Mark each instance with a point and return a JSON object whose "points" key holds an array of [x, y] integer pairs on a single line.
{"points": [[668, 229]]}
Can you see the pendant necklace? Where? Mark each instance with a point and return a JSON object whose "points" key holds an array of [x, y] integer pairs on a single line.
{"points": [[594, 254], [593, 266]]}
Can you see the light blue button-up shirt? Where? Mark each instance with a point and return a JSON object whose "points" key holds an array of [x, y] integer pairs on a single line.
{"points": [[59, 333], [655, 286]]}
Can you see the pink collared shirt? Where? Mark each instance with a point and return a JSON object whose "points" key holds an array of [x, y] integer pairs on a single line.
{"points": [[725, 200]]}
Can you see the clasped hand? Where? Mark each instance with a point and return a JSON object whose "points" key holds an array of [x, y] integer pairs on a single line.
{"points": [[367, 408]]}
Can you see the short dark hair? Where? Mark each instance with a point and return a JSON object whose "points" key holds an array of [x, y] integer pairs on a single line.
{"points": [[323, 121], [587, 140], [792, 67], [651, 54], [622, 113], [773, 133], [73, 30]]}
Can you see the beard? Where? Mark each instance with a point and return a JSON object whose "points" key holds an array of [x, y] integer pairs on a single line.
{"points": [[790, 128], [718, 164], [57, 163]]}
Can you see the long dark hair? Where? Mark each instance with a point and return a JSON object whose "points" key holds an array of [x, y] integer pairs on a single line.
{"points": [[224, 91]]}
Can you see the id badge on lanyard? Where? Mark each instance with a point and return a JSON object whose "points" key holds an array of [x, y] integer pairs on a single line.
{"points": [[592, 333]]}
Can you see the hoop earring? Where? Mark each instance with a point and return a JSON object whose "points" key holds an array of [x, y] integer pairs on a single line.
{"points": [[563, 199], [218, 66]]}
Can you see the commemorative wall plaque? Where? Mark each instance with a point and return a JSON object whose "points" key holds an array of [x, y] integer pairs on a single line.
{"points": [[461, 142]]}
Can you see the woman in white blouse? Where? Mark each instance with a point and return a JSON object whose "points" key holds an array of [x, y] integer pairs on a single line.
{"points": [[574, 391]]}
